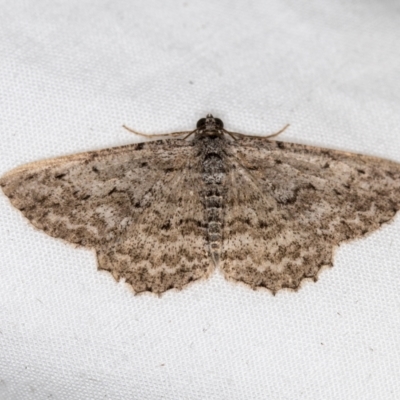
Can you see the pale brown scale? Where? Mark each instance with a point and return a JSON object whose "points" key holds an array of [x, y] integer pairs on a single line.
{"points": [[165, 213]]}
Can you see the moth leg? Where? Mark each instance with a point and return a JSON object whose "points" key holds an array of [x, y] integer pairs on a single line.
{"points": [[254, 136], [190, 133], [173, 134], [231, 135]]}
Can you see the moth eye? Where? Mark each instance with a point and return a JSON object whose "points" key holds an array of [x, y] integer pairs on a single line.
{"points": [[201, 123], [219, 123]]}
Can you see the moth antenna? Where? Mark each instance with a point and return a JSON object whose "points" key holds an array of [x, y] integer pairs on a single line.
{"points": [[255, 136], [158, 135]]}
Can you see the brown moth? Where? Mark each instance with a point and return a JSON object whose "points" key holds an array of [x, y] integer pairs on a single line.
{"points": [[164, 213]]}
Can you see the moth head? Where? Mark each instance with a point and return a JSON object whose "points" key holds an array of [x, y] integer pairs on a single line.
{"points": [[210, 125]]}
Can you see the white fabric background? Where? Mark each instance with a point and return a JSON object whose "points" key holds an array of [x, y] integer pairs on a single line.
{"points": [[72, 72]]}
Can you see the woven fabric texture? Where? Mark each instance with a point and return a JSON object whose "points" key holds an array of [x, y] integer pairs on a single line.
{"points": [[72, 72]]}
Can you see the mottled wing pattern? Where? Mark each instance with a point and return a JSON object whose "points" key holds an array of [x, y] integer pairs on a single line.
{"points": [[166, 246], [289, 205], [129, 203]]}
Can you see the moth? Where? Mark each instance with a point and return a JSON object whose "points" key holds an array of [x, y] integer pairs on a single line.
{"points": [[168, 212]]}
